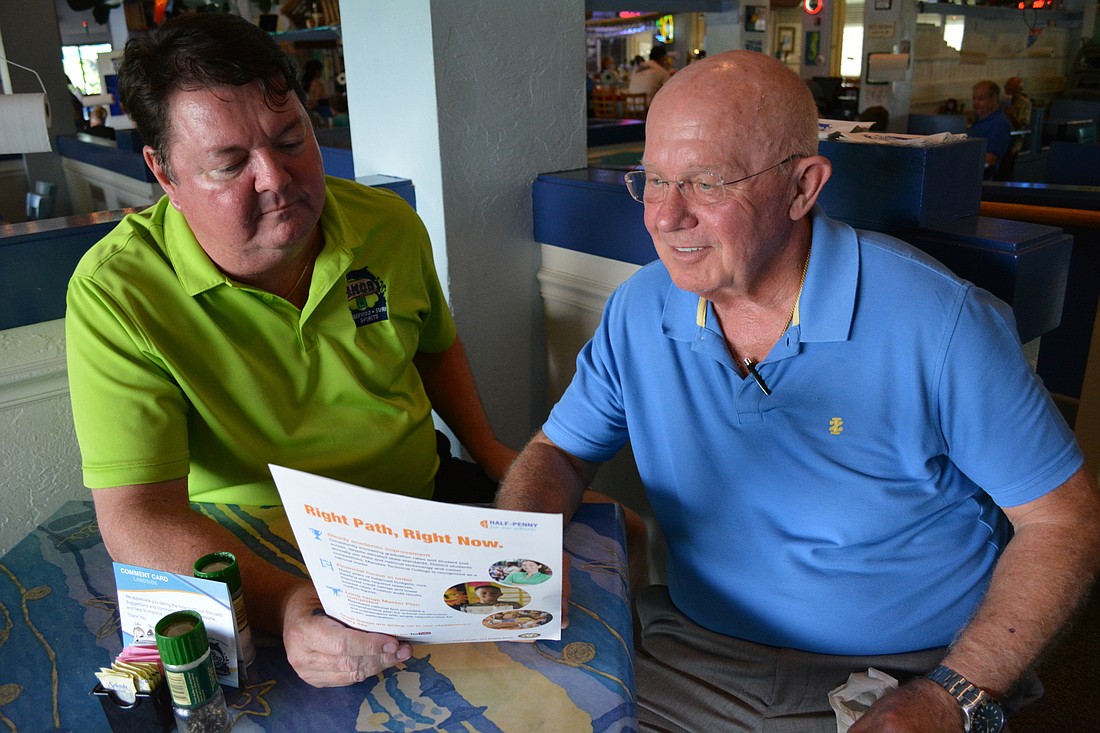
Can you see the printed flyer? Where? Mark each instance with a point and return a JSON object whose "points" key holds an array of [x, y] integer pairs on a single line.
{"points": [[423, 571], [145, 596]]}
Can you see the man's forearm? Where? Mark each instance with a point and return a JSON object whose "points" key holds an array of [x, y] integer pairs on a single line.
{"points": [[1042, 577], [154, 526], [545, 479]]}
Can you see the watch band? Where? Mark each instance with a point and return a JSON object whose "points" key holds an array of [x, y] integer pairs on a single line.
{"points": [[970, 697]]}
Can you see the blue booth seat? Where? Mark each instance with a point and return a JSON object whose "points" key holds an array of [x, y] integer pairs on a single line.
{"points": [[1073, 164]]}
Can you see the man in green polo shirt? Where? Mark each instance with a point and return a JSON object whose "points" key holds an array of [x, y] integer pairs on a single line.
{"points": [[259, 313]]}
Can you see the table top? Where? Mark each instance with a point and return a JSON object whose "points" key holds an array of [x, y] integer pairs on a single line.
{"points": [[59, 623]]}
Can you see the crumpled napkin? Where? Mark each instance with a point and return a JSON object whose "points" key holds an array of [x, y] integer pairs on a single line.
{"points": [[851, 700]]}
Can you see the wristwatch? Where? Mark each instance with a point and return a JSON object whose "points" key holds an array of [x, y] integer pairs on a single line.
{"points": [[983, 714]]}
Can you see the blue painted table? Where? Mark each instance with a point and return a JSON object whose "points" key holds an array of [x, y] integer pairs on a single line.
{"points": [[59, 623]]}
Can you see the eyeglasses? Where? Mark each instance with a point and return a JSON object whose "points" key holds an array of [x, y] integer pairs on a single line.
{"points": [[705, 189]]}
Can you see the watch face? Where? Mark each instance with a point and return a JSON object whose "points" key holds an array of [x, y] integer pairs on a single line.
{"points": [[987, 718]]}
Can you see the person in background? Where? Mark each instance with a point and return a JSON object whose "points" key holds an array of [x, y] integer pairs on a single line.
{"points": [[878, 116], [990, 123], [340, 116], [98, 116], [847, 452], [97, 123], [317, 103], [1018, 105], [259, 313], [1018, 110], [608, 76], [649, 76], [951, 106]]}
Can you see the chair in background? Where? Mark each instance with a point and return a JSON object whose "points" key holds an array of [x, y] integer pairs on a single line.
{"points": [[605, 104], [40, 201], [635, 106], [1066, 117]]}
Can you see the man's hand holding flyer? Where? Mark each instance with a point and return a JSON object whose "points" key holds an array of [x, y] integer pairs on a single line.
{"points": [[424, 571]]}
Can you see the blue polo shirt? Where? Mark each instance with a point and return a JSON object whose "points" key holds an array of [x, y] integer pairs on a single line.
{"points": [[997, 132], [854, 510]]}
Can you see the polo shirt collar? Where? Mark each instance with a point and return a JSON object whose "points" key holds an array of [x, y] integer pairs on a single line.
{"points": [[194, 268], [827, 302], [829, 295], [338, 233]]}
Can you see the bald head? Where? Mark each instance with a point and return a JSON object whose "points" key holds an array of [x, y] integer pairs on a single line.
{"points": [[770, 107]]}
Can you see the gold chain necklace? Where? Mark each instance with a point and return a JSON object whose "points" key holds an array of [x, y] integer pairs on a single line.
{"points": [[301, 275], [750, 365], [798, 296]]}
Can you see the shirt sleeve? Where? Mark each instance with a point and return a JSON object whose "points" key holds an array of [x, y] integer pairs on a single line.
{"points": [[130, 415], [999, 423]]}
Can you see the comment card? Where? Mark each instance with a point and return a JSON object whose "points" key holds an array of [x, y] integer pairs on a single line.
{"points": [[146, 595]]}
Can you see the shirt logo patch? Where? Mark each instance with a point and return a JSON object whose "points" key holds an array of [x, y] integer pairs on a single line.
{"points": [[836, 426], [367, 298]]}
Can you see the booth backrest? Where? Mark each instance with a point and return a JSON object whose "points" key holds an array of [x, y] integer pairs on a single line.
{"points": [[1075, 109], [37, 259], [1064, 352], [931, 124], [1073, 164]]}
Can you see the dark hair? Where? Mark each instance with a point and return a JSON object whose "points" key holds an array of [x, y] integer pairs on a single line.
{"points": [[658, 52], [194, 52], [878, 115]]}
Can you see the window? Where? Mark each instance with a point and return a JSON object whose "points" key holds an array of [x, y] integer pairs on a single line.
{"points": [[952, 27], [81, 65], [851, 58]]}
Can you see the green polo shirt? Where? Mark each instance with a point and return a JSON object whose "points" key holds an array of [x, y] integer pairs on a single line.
{"points": [[175, 370]]}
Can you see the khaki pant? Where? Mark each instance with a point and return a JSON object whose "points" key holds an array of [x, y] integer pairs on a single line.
{"points": [[690, 679]]}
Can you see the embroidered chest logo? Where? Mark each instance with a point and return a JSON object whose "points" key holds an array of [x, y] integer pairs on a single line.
{"points": [[836, 426], [367, 298]]}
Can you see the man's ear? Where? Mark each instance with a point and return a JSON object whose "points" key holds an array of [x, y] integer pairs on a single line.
{"points": [[153, 162], [812, 174]]}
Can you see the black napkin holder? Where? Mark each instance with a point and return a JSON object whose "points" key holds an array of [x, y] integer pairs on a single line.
{"points": [[151, 711]]}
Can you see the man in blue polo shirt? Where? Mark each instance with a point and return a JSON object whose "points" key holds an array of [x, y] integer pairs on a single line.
{"points": [[991, 124], [849, 457]]}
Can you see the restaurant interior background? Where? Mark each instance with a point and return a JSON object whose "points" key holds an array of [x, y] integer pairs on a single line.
{"points": [[472, 101], [943, 48], [447, 95]]}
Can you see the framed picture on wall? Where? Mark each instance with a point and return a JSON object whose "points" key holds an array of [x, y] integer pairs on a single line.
{"points": [[812, 49], [883, 4], [756, 18], [784, 39]]}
